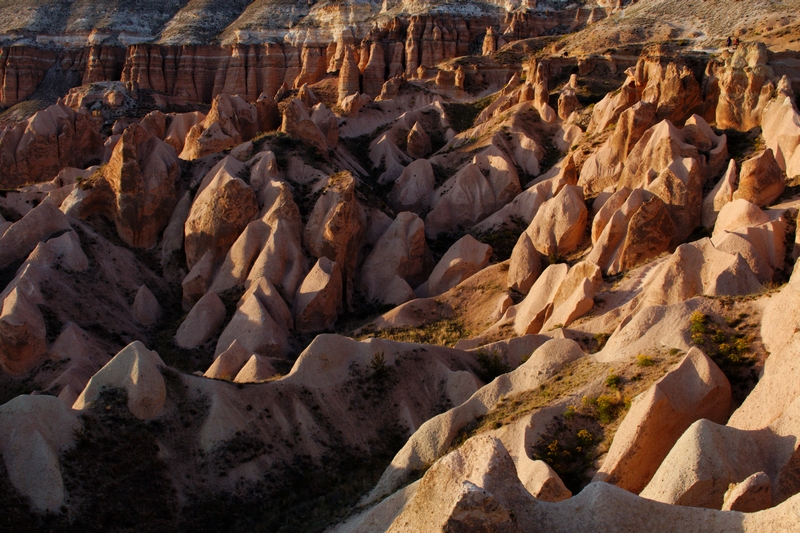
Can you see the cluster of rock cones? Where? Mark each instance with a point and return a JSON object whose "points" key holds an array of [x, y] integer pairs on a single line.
{"points": [[523, 312]]}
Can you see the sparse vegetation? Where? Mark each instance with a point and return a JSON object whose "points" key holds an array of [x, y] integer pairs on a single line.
{"points": [[462, 116], [490, 365], [503, 239], [729, 348], [644, 360], [440, 333], [613, 381]]}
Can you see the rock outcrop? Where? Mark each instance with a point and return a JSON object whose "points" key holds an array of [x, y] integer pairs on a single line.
{"points": [[336, 227], [137, 370], [202, 322], [761, 180], [36, 430], [463, 259], [143, 173], [696, 388], [399, 261], [221, 210], [319, 299], [36, 149], [230, 122]]}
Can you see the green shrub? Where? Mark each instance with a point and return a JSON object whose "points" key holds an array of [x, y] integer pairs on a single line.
{"points": [[644, 360], [613, 381], [490, 365], [697, 322]]}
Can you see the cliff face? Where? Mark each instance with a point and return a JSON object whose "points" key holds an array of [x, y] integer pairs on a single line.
{"points": [[306, 54], [23, 68]]}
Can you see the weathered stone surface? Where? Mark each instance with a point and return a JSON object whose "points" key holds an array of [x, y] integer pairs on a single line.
{"points": [[230, 122], [52, 139], [709, 457], [757, 260], [696, 388], [269, 118], [22, 237], [568, 99], [664, 163], [699, 268], [761, 180], [22, 333], [542, 482], [196, 282], [418, 142], [202, 322], [720, 195], [179, 127], [525, 265], [221, 210], [319, 299], [639, 230], [777, 388], [532, 312], [327, 123], [575, 295], [269, 247], [463, 259], [413, 190], [137, 370], [348, 76], [257, 369], [228, 364], [448, 499], [298, 124], [750, 496], [604, 167], [146, 309], [473, 193], [36, 430], [435, 436], [336, 227], [558, 226], [399, 261], [780, 127], [740, 213], [743, 85], [172, 238], [256, 329]]}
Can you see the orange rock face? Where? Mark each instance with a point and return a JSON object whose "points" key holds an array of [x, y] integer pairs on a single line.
{"points": [[37, 149], [143, 173]]}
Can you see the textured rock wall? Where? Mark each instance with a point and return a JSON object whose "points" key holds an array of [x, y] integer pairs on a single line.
{"points": [[198, 73]]}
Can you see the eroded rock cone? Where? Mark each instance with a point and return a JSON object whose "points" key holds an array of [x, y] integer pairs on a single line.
{"points": [[137, 370], [221, 210], [143, 174], [419, 143], [297, 123], [230, 122], [463, 259], [202, 322], [761, 180], [400, 260], [52, 139], [319, 299], [694, 389], [336, 226], [413, 190], [558, 226], [22, 333], [36, 430], [631, 228]]}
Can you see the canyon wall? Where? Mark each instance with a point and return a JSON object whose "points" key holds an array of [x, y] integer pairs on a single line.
{"points": [[197, 73]]}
